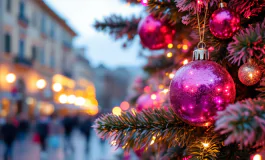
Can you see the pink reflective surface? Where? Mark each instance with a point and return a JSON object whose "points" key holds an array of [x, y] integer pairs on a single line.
{"points": [[200, 89], [154, 33], [224, 23]]}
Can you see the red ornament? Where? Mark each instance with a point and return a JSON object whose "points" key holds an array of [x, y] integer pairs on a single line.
{"points": [[224, 22], [154, 33], [199, 89]]}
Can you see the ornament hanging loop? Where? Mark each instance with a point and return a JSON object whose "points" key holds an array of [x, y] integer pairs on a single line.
{"points": [[201, 44]]}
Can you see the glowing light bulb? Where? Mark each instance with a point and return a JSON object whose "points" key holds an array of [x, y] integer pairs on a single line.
{"points": [[63, 99], [185, 62], [169, 54], [153, 96], [171, 75], [153, 140], [71, 99], [57, 87], [10, 78], [185, 47], [116, 111], [41, 83], [170, 45], [165, 91], [257, 157], [80, 101], [205, 145]]}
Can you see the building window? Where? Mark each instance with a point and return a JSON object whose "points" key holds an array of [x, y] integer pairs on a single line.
{"points": [[52, 61], [8, 5], [43, 23], [34, 19], [34, 53], [21, 52], [22, 8], [7, 43], [52, 30], [42, 57]]}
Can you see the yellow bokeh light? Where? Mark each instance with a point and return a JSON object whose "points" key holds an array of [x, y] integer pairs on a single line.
{"points": [[153, 140], [153, 96], [80, 101], [125, 105], [10, 78], [185, 47], [257, 157], [63, 98], [41, 83], [116, 111], [179, 46], [170, 45], [165, 91], [205, 145], [57, 87], [169, 54], [185, 62], [250, 75], [71, 99], [171, 75]]}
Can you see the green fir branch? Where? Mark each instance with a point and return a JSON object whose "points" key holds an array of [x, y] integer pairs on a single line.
{"points": [[119, 27], [243, 122], [165, 9], [138, 130]]}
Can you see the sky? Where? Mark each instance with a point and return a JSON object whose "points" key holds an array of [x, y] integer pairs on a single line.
{"points": [[101, 47]]}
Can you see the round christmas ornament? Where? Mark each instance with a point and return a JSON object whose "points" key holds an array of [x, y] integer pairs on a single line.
{"points": [[147, 101], [154, 33], [224, 22], [249, 73], [201, 88]]}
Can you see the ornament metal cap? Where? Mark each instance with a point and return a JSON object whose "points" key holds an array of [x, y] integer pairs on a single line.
{"points": [[201, 53], [222, 5]]}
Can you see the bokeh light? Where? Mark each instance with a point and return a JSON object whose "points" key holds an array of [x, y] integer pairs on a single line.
{"points": [[125, 105], [63, 98], [41, 83], [10, 78], [116, 111], [57, 87], [71, 99]]}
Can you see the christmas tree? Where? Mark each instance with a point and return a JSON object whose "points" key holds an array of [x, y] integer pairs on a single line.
{"points": [[206, 90]]}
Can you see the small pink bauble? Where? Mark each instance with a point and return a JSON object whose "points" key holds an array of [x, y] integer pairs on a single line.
{"points": [[224, 23], [149, 101], [154, 33], [199, 89]]}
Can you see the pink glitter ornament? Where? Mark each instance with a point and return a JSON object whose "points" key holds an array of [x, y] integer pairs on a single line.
{"points": [[224, 22], [154, 33], [199, 89]]}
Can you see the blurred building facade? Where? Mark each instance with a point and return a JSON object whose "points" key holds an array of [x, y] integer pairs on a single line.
{"points": [[111, 85], [39, 66]]}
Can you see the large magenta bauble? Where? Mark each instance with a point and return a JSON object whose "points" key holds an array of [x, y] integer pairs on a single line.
{"points": [[154, 33], [149, 101], [200, 89], [224, 23]]}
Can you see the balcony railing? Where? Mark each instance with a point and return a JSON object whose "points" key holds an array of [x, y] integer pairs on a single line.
{"points": [[23, 61], [23, 20]]}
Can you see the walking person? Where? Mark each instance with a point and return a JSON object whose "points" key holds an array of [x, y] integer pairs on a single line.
{"points": [[85, 128], [68, 124], [9, 132], [42, 129]]}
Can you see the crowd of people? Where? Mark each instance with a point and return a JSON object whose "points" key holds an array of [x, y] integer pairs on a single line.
{"points": [[44, 130]]}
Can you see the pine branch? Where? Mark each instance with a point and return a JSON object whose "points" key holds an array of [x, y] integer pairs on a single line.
{"points": [[243, 122], [262, 88], [138, 130], [132, 1], [119, 27], [165, 9], [247, 8], [248, 43]]}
